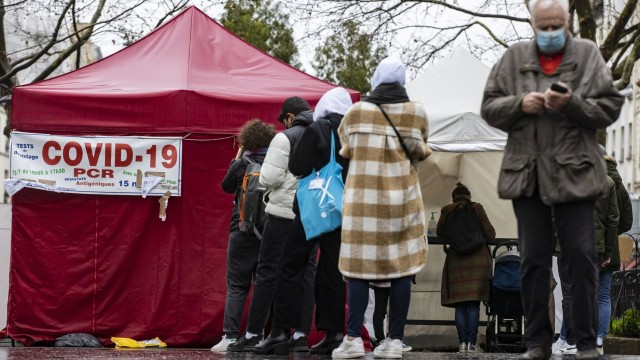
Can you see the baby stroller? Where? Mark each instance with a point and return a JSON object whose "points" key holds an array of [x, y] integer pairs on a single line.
{"points": [[505, 325]]}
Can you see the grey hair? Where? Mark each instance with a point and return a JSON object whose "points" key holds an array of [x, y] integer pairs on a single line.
{"points": [[534, 4]]}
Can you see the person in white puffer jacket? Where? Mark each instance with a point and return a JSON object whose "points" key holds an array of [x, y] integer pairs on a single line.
{"points": [[281, 186]]}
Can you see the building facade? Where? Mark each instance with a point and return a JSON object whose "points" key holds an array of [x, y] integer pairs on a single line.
{"points": [[4, 155]]}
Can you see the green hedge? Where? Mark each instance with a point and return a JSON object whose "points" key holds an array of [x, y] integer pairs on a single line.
{"points": [[628, 325]]}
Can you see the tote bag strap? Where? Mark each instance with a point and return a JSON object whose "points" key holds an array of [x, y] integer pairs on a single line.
{"points": [[332, 159]]}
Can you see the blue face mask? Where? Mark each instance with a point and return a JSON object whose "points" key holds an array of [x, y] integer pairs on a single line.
{"points": [[550, 42]]}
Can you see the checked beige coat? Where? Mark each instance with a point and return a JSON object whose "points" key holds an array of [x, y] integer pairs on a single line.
{"points": [[383, 223]]}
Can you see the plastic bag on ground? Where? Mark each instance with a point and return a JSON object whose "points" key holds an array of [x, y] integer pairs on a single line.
{"points": [[131, 343], [78, 340]]}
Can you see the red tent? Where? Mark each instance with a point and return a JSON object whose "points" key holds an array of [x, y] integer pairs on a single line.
{"points": [[104, 264]]}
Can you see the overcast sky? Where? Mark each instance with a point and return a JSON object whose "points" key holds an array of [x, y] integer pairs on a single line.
{"points": [[306, 49]]}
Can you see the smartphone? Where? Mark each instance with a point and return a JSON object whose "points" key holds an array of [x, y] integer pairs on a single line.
{"points": [[559, 88]]}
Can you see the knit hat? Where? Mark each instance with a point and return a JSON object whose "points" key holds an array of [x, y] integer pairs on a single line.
{"points": [[460, 189], [294, 105]]}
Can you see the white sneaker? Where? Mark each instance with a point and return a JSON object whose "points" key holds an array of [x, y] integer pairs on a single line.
{"points": [[223, 344], [600, 350], [388, 349], [570, 349], [474, 348], [349, 349], [406, 347], [559, 346], [462, 348]]}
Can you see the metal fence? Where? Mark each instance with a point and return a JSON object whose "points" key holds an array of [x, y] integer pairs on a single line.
{"points": [[625, 295]]}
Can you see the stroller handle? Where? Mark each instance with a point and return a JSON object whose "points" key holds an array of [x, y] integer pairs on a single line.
{"points": [[503, 243]]}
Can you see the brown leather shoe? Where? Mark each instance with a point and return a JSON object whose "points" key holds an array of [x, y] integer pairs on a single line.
{"points": [[591, 354], [536, 353]]}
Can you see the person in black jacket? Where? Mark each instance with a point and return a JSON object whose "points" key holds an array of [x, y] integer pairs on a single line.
{"points": [[242, 252], [312, 152]]}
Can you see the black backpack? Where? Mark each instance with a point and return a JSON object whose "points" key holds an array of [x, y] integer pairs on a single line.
{"points": [[252, 215], [463, 230]]}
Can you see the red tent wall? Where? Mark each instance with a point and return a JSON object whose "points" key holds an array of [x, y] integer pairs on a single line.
{"points": [[107, 265]]}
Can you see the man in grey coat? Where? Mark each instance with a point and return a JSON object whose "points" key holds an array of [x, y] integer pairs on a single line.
{"points": [[551, 95]]}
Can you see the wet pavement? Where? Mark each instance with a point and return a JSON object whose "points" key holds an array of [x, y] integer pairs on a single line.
{"points": [[174, 354]]}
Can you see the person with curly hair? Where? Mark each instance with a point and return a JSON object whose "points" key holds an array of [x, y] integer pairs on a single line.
{"points": [[242, 253]]}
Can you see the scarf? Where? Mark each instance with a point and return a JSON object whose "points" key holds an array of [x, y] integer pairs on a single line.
{"points": [[389, 93]]}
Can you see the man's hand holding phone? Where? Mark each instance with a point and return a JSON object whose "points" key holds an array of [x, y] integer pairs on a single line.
{"points": [[533, 103], [557, 96]]}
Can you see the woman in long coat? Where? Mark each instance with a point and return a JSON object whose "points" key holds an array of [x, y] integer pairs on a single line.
{"points": [[383, 226], [465, 278]]}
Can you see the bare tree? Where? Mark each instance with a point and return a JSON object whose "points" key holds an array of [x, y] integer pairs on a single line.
{"points": [[38, 36], [424, 29]]}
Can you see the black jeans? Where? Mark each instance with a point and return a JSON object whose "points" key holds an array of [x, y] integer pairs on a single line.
{"points": [[575, 232], [330, 288], [242, 260], [274, 237]]}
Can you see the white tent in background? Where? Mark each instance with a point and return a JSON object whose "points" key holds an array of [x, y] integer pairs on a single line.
{"points": [[465, 148], [451, 92]]}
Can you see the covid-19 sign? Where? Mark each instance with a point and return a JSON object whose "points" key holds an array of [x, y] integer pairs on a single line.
{"points": [[97, 164]]}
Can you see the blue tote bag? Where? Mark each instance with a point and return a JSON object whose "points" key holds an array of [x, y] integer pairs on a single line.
{"points": [[320, 198]]}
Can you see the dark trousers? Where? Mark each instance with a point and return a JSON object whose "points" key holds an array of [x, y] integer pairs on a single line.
{"points": [[399, 299], [330, 288], [274, 237], [565, 331], [381, 297], [308, 289], [575, 232], [242, 260]]}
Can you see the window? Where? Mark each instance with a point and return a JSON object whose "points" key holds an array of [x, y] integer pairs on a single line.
{"points": [[613, 143], [630, 143], [621, 158]]}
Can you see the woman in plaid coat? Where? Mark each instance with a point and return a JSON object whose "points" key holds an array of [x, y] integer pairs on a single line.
{"points": [[465, 278], [383, 224]]}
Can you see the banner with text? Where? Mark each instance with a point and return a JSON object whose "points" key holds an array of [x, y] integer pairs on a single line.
{"points": [[115, 165]]}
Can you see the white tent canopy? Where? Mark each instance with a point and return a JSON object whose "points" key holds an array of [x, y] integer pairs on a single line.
{"points": [[466, 148], [451, 91]]}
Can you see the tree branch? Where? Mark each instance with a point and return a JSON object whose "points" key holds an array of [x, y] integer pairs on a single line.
{"points": [[585, 19], [469, 12], [621, 53], [628, 68], [181, 5], [493, 36], [3, 6], [617, 32], [75, 30], [4, 61], [44, 50], [86, 34]]}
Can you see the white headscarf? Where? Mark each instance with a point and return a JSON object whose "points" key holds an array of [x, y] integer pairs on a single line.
{"points": [[390, 70], [336, 101]]}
